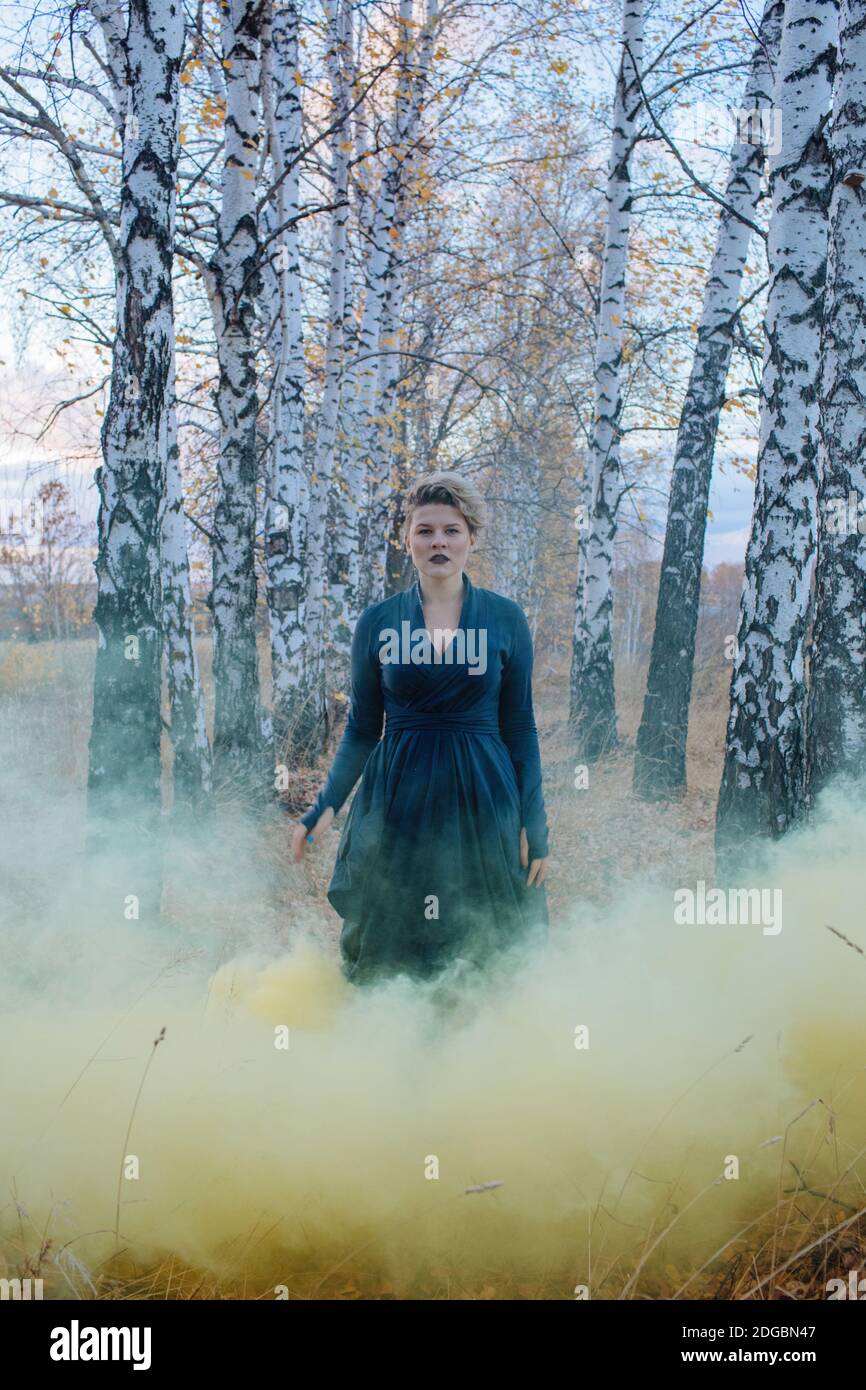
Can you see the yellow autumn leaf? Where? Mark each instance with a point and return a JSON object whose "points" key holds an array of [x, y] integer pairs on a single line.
{"points": [[559, 66]]}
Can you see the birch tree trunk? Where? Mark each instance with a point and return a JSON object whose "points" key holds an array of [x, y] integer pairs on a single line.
{"points": [[379, 533], [192, 779], [124, 778], [592, 706], [836, 741], [407, 119], [762, 782], [344, 587], [360, 579], [288, 491], [239, 759], [660, 756], [192, 776], [311, 707]]}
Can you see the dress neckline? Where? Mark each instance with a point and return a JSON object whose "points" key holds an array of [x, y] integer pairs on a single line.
{"points": [[467, 593]]}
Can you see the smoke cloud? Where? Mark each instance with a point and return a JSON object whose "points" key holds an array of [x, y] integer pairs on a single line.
{"points": [[635, 1093]]}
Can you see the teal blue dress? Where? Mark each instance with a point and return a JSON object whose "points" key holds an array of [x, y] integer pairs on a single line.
{"points": [[428, 866]]}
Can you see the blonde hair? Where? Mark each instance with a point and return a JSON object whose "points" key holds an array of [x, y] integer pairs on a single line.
{"points": [[450, 489]]}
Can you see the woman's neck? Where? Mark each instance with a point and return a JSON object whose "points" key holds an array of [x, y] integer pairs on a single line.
{"points": [[443, 591]]}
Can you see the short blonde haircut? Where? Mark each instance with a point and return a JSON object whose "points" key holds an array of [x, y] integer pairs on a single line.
{"points": [[450, 490]]}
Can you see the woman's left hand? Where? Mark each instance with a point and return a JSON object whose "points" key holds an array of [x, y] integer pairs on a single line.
{"points": [[538, 867]]}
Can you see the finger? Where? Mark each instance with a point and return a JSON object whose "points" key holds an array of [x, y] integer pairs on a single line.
{"points": [[538, 872]]}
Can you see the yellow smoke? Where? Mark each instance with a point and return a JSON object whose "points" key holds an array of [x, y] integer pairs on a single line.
{"points": [[288, 1122]]}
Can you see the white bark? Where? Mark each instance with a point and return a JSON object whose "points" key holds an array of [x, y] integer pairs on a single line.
{"points": [[762, 783], [192, 780], [592, 716], [312, 715], [125, 765], [380, 438], [237, 730], [288, 491], [364, 470], [837, 702], [192, 770]]}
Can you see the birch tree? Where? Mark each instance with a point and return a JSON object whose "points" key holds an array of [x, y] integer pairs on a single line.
{"points": [[186, 701], [192, 778], [762, 782], [660, 758], [310, 724], [387, 296], [124, 778], [836, 744], [237, 740], [363, 474], [592, 705], [288, 491]]}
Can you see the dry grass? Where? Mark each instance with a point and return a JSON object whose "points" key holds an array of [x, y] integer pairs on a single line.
{"points": [[784, 1255]]}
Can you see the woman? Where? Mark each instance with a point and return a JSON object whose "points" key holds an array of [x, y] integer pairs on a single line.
{"points": [[444, 851]]}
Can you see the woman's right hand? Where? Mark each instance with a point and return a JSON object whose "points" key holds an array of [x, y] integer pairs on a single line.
{"points": [[299, 838]]}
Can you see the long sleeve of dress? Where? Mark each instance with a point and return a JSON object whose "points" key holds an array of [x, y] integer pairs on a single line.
{"points": [[363, 727], [517, 726]]}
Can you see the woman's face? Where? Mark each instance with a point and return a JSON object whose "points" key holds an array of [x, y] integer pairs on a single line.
{"points": [[439, 539]]}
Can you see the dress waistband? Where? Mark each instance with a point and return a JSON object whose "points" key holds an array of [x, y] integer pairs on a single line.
{"points": [[458, 723]]}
